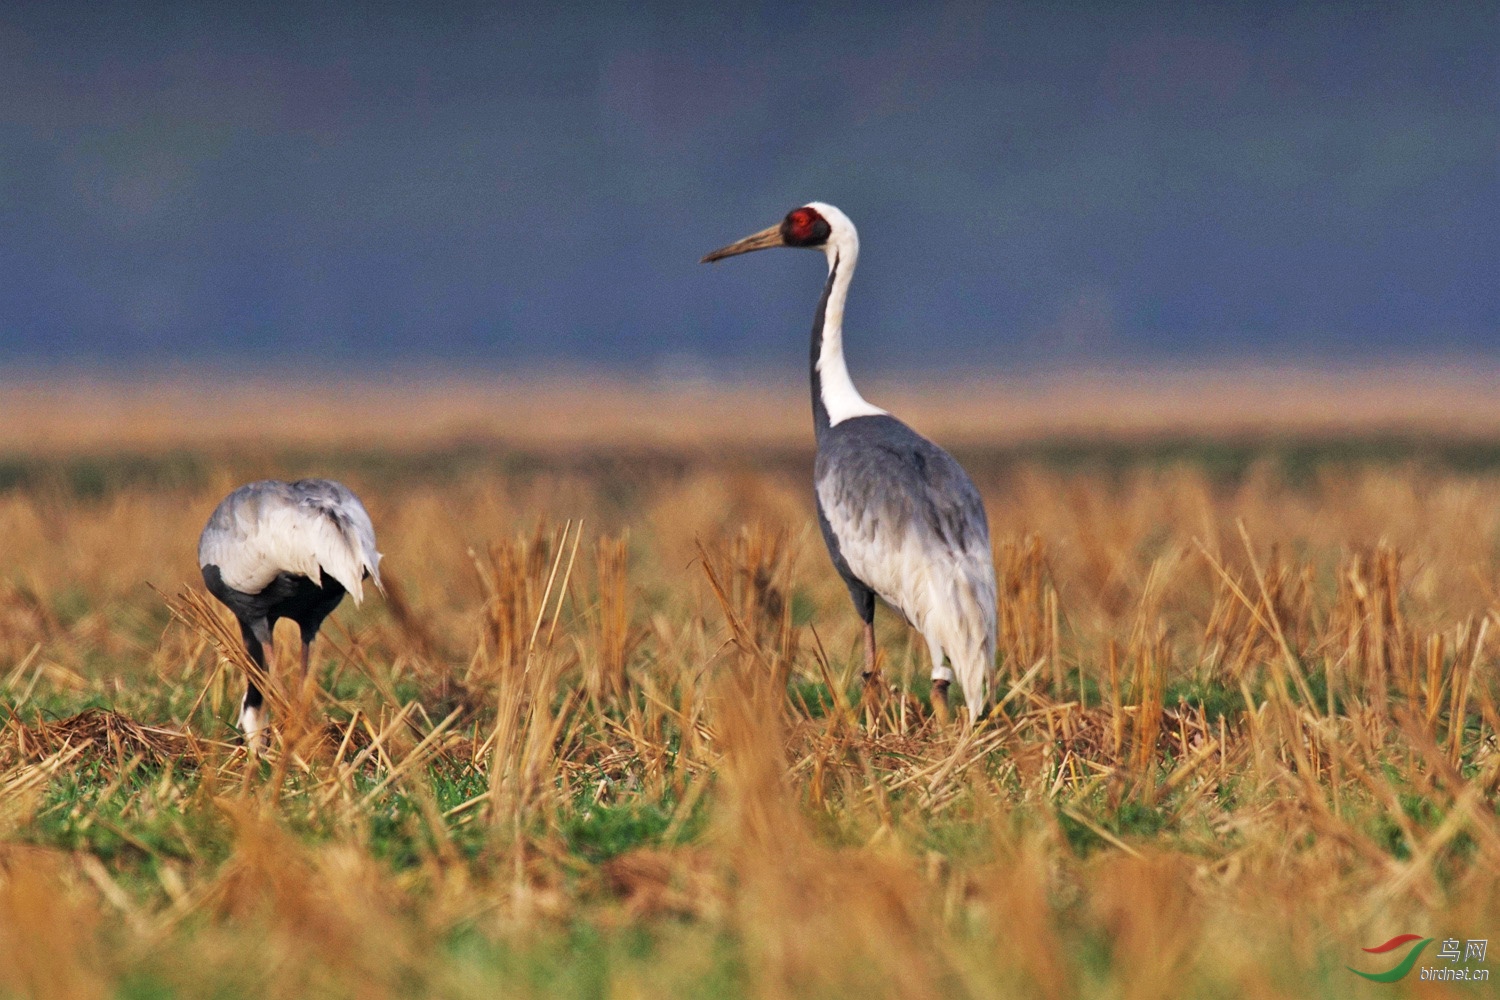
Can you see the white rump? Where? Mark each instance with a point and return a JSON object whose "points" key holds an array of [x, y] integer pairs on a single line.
{"points": [[309, 527]]}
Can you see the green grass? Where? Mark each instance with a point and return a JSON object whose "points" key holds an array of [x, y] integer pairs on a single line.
{"points": [[630, 478]]}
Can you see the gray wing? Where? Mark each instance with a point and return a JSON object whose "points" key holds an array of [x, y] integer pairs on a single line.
{"points": [[909, 524], [338, 504], [238, 518], [308, 528], [881, 479]]}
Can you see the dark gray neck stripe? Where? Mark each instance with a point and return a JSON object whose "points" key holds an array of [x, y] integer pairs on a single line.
{"points": [[821, 423]]}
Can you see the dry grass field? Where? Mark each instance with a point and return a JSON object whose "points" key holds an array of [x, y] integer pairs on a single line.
{"points": [[605, 734]]}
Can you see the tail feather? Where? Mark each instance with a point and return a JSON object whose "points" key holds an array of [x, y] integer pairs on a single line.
{"points": [[313, 527], [962, 621], [345, 552]]}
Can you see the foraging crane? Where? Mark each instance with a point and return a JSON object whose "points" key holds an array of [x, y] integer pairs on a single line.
{"points": [[901, 518], [275, 550]]}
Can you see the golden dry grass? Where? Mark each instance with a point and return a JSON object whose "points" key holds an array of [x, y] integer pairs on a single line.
{"points": [[604, 736]]}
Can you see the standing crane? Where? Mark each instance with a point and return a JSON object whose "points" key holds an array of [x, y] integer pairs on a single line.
{"points": [[901, 518], [274, 550]]}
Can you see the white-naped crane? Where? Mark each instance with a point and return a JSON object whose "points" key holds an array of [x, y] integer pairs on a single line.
{"points": [[902, 519], [274, 550]]}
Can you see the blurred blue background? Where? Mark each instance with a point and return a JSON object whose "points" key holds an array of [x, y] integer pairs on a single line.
{"points": [[306, 186]]}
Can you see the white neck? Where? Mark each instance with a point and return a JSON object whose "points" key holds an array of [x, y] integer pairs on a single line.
{"points": [[840, 398]]}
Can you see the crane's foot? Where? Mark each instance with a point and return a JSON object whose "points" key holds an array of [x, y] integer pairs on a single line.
{"points": [[254, 729], [872, 696], [940, 701]]}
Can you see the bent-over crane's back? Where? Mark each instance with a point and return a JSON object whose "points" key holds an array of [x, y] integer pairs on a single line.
{"points": [[274, 550]]}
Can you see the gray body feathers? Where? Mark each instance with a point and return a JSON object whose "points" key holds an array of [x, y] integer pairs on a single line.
{"points": [[903, 519], [306, 528]]}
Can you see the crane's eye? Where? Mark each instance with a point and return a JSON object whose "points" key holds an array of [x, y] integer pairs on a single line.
{"points": [[804, 227]]}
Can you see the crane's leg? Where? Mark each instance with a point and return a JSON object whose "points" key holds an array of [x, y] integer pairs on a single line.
{"points": [[942, 676], [940, 701], [253, 718], [871, 694], [312, 619], [864, 603], [305, 700], [262, 649], [309, 620], [305, 695]]}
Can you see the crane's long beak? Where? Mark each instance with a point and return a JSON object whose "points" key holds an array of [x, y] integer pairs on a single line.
{"points": [[760, 241]]}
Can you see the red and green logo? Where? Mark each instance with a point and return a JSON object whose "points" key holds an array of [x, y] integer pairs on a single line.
{"points": [[1405, 966]]}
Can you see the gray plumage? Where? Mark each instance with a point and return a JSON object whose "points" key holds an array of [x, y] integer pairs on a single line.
{"points": [[903, 521], [891, 480]]}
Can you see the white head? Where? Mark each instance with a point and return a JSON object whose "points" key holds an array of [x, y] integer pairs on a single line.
{"points": [[819, 226], [815, 226]]}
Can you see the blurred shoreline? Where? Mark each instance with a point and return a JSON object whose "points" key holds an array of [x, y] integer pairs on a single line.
{"points": [[58, 412]]}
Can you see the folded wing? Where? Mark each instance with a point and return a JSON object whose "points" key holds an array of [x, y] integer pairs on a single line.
{"points": [[310, 527]]}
